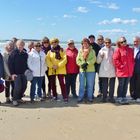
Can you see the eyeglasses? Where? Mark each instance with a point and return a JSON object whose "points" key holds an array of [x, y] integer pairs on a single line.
{"points": [[123, 42], [107, 42], [46, 42]]}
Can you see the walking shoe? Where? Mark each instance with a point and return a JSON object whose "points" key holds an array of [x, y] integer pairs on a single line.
{"points": [[138, 100], [99, 95], [124, 101], [32, 101], [79, 101], [8, 101], [21, 101], [104, 100], [15, 103], [90, 101], [118, 100], [111, 100], [65, 100]]}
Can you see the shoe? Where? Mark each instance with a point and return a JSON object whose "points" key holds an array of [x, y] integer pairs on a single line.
{"points": [[21, 101], [65, 100], [111, 100], [15, 103], [75, 96], [90, 101], [56, 99], [104, 100], [32, 101], [8, 101], [138, 100], [118, 100], [79, 100], [124, 101], [99, 95]]}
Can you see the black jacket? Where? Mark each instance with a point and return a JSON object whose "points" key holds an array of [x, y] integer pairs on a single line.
{"points": [[1, 67], [96, 48], [18, 62]]}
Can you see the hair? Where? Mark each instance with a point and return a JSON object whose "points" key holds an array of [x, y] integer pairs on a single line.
{"points": [[54, 40], [45, 39], [19, 42], [100, 36], [85, 40], [11, 44], [107, 39], [118, 41], [91, 36], [36, 44]]}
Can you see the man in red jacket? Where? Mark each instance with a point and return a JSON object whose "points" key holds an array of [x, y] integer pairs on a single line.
{"points": [[124, 64]]}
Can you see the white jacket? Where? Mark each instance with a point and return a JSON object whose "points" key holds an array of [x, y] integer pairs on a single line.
{"points": [[36, 62], [105, 59]]}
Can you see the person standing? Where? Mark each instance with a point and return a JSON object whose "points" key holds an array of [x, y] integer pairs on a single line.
{"points": [[124, 63], [56, 60], [9, 83], [85, 60], [17, 63], [72, 68], [135, 79], [36, 63], [107, 70], [100, 42], [45, 48]]}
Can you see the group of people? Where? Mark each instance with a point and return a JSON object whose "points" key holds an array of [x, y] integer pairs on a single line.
{"points": [[48, 59]]}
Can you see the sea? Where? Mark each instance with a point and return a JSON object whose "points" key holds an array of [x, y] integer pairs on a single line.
{"points": [[63, 45]]}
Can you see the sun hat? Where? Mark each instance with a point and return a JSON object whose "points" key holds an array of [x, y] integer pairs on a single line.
{"points": [[70, 41], [54, 40]]}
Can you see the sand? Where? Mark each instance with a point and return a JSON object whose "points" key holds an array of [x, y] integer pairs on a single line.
{"points": [[51, 120]]}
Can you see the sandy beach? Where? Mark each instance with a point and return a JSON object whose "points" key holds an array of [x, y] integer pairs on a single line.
{"points": [[51, 120]]}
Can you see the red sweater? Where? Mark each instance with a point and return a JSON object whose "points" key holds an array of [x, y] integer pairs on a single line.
{"points": [[124, 61], [71, 66]]}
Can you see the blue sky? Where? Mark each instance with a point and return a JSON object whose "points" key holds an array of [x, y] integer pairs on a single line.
{"points": [[69, 19]]}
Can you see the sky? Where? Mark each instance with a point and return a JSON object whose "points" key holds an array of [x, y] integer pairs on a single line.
{"points": [[69, 19]]}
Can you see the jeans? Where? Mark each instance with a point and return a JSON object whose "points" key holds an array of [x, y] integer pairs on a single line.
{"points": [[87, 80], [36, 81], [20, 85], [71, 84], [122, 86], [108, 83]]}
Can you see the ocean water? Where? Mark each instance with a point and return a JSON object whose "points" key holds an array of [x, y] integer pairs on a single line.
{"points": [[64, 45]]}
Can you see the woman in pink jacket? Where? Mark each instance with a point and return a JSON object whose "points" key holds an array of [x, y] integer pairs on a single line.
{"points": [[124, 64], [72, 68]]}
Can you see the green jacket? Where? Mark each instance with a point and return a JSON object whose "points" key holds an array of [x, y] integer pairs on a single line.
{"points": [[90, 60]]}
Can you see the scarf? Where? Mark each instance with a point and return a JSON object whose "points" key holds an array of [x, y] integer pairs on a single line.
{"points": [[46, 49], [57, 50], [85, 53]]}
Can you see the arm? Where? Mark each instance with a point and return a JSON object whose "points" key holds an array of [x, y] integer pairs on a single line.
{"points": [[64, 59]]}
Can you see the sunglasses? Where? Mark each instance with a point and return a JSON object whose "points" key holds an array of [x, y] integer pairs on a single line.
{"points": [[100, 39], [46, 42], [123, 42]]}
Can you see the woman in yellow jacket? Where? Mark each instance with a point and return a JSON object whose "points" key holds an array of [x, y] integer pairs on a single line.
{"points": [[56, 61]]}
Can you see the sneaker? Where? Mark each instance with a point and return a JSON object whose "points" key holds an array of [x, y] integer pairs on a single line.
{"points": [[32, 101], [90, 101], [124, 101], [138, 100], [118, 100], [104, 100], [111, 100], [15, 103], [75, 96], [79, 101], [56, 99], [21, 101], [99, 95], [8, 101], [66, 100]]}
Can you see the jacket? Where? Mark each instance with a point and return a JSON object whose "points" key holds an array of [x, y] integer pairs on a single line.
{"points": [[71, 66], [51, 60], [137, 63], [17, 62], [96, 48], [107, 68], [36, 63], [124, 61], [91, 59], [1, 67]]}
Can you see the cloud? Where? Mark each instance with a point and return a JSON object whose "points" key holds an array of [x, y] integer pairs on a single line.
{"points": [[119, 21], [68, 16], [39, 19], [112, 6], [136, 10], [94, 1], [112, 31], [82, 9]]}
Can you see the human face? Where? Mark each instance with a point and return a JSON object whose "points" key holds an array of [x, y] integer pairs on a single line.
{"points": [[123, 41], [107, 43], [92, 40], [54, 44], [100, 41], [71, 46], [46, 44], [20, 46], [136, 42], [85, 45], [38, 47]]}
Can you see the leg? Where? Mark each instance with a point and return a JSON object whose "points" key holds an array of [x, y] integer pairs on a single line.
{"points": [[44, 87], [7, 89], [39, 84], [49, 82], [53, 85], [120, 87], [137, 85], [33, 88], [17, 88], [62, 86], [90, 79], [125, 87], [81, 85], [105, 87], [24, 85], [12, 90], [111, 87], [132, 85], [73, 85], [68, 81]]}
